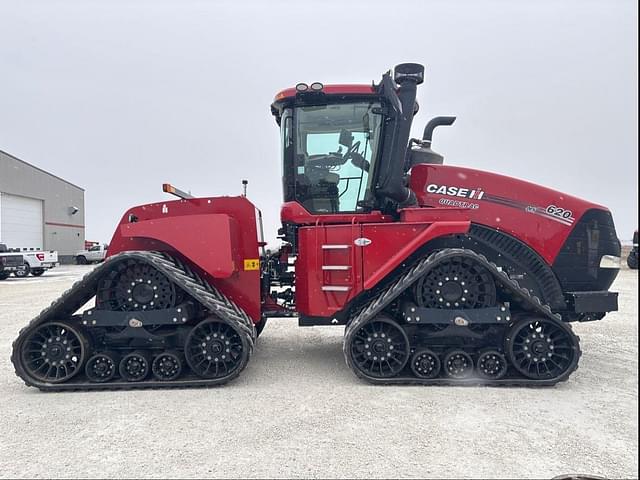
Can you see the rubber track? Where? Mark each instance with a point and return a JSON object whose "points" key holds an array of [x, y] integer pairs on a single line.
{"points": [[403, 282], [83, 290]]}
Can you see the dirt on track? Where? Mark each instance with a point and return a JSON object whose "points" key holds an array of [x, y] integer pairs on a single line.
{"points": [[297, 411]]}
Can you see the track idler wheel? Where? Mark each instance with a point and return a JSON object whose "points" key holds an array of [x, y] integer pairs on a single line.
{"points": [[457, 364], [215, 350], [134, 366], [425, 364], [167, 366], [542, 349], [53, 352], [380, 348], [102, 367], [491, 365]]}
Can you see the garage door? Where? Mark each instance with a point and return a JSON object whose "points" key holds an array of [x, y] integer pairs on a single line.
{"points": [[21, 221]]}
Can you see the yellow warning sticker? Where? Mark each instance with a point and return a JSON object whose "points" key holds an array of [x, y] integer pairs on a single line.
{"points": [[251, 264]]}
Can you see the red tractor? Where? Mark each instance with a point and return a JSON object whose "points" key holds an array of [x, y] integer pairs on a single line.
{"points": [[440, 274]]}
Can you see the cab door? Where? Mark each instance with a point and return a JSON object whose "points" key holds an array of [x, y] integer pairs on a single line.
{"points": [[328, 269]]}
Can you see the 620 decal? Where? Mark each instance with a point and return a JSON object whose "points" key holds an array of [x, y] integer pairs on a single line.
{"points": [[560, 212]]}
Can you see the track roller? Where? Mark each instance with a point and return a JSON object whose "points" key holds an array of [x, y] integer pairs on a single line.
{"points": [[167, 366], [134, 366], [425, 364], [491, 365], [102, 367], [457, 364]]}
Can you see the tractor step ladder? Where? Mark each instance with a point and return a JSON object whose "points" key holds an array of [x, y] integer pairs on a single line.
{"points": [[336, 258]]}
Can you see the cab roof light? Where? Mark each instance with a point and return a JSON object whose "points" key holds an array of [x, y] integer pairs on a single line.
{"points": [[302, 87], [317, 86]]}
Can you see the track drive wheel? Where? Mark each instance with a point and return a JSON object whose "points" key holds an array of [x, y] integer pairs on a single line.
{"points": [[460, 282], [542, 349], [215, 350], [53, 352], [135, 285], [380, 349]]}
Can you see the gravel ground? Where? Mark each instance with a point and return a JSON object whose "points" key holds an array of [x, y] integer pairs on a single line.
{"points": [[296, 411]]}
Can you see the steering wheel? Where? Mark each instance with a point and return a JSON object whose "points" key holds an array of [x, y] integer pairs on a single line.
{"points": [[351, 150], [356, 159]]}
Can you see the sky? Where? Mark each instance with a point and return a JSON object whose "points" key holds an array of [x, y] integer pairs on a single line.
{"points": [[119, 97]]}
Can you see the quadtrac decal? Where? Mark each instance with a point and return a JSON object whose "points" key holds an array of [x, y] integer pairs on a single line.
{"points": [[458, 192], [551, 212]]}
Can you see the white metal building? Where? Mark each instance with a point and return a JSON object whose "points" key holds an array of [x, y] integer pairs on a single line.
{"points": [[39, 210]]}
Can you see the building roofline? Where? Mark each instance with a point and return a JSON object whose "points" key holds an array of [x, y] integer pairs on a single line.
{"points": [[41, 170]]}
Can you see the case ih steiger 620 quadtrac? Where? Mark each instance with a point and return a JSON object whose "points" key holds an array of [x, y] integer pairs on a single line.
{"points": [[440, 274]]}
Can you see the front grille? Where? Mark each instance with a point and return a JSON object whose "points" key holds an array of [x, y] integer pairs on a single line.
{"points": [[577, 266]]}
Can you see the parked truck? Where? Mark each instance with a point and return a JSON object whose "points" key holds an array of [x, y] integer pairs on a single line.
{"points": [[93, 254], [10, 262], [36, 262]]}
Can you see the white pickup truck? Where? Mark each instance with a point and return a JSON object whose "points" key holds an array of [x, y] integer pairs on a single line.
{"points": [[93, 254], [36, 262]]}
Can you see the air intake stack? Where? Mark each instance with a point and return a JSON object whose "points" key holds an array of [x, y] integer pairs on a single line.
{"points": [[420, 150]]}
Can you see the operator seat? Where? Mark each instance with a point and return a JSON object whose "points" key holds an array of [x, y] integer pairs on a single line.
{"points": [[320, 196]]}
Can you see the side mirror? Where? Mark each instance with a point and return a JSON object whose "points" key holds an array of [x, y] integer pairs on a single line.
{"points": [[346, 138]]}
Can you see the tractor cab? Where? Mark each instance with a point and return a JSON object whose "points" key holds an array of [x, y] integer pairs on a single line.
{"points": [[344, 146], [331, 138]]}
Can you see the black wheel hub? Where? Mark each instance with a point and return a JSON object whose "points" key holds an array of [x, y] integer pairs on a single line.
{"points": [[542, 349], [459, 282], [214, 349], [458, 364], [134, 367], [100, 368], [143, 293], [53, 352], [135, 286], [380, 348], [452, 291], [167, 366], [425, 364], [491, 365]]}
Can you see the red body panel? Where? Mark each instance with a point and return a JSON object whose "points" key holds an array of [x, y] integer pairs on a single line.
{"points": [[392, 243], [541, 217], [321, 292], [214, 234]]}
